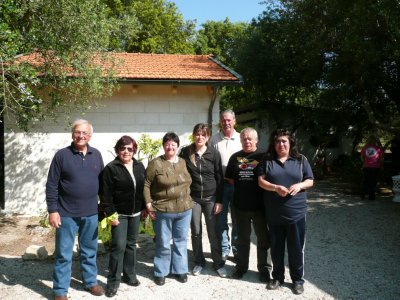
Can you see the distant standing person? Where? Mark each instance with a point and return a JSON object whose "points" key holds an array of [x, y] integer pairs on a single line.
{"points": [[249, 206], [71, 194], [169, 204], [285, 175], [122, 193], [204, 165], [227, 142], [372, 157]]}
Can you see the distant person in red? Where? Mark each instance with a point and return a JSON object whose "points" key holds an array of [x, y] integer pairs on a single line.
{"points": [[372, 157]]}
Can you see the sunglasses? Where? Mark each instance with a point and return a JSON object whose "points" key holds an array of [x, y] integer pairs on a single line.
{"points": [[123, 148]]}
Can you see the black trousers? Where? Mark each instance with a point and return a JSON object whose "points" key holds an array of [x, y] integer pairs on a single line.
{"points": [[206, 208], [123, 251], [244, 220], [371, 176], [294, 236]]}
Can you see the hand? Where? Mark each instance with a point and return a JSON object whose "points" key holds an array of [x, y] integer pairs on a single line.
{"points": [[143, 214], [114, 223], [281, 190], [150, 211], [54, 219], [294, 189], [217, 208]]}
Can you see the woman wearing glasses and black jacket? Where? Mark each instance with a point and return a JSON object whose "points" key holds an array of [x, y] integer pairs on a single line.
{"points": [[122, 193]]}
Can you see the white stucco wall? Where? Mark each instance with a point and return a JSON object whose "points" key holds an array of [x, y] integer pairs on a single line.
{"points": [[133, 110]]}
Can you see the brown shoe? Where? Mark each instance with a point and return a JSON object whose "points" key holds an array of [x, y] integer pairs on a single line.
{"points": [[61, 297], [95, 290]]}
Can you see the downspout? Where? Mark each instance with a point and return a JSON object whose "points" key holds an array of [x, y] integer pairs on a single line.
{"points": [[214, 92]]}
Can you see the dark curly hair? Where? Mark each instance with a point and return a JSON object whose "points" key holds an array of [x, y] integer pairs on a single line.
{"points": [[275, 135]]}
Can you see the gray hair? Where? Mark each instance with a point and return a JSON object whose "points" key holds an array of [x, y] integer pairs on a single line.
{"points": [[227, 111], [82, 122], [251, 131]]}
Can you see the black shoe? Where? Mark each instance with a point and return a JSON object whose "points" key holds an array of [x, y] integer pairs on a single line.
{"points": [[298, 288], [181, 277], [238, 274], [159, 280], [134, 283], [264, 277], [111, 292], [273, 284]]}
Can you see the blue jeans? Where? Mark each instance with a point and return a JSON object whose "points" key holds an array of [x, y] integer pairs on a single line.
{"points": [[86, 227], [222, 221], [173, 226], [123, 251]]}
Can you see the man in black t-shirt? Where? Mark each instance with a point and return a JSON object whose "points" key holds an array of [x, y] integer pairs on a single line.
{"points": [[241, 171]]}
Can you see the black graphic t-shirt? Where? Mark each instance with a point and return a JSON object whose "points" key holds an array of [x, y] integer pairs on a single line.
{"points": [[242, 168]]}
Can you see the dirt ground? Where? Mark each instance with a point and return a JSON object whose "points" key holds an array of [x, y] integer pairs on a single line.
{"points": [[19, 232], [352, 252]]}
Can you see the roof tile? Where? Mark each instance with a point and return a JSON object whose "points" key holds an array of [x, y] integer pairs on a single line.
{"points": [[139, 66]]}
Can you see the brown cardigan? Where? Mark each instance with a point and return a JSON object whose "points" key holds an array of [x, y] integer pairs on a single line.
{"points": [[167, 185]]}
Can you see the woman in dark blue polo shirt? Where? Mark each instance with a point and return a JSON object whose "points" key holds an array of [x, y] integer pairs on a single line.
{"points": [[285, 175]]}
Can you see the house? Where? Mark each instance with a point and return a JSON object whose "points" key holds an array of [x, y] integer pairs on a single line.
{"points": [[158, 93]]}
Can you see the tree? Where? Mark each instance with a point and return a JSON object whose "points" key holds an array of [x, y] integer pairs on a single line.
{"points": [[57, 31], [321, 54], [162, 28], [220, 38]]}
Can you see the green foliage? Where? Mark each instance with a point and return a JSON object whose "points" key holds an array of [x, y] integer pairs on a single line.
{"points": [[44, 218], [218, 38], [146, 227], [160, 27], [58, 32], [148, 147], [324, 55]]}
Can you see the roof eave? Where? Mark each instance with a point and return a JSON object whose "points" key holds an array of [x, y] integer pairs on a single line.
{"points": [[182, 82]]}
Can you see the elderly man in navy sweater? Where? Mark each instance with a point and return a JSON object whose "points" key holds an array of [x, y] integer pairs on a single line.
{"points": [[71, 195]]}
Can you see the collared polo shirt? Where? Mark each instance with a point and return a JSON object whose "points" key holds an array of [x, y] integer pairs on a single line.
{"points": [[289, 209], [226, 146], [73, 182]]}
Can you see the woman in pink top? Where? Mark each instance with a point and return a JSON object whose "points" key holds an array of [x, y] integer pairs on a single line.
{"points": [[372, 157]]}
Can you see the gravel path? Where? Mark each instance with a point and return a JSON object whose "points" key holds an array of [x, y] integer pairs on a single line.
{"points": [[352, 252]]}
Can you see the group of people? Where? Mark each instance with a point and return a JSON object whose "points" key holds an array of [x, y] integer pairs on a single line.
{"points": [[207, 178]]}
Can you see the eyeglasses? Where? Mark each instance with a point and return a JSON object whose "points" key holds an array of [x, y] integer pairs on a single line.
{"points": [[123, 148], [84, 133]]}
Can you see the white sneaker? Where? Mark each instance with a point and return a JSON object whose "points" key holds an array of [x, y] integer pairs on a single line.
{"points": [[197, 270], [222, 272]]}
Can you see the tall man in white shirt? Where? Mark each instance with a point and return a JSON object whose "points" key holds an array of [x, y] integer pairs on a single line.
{"points": [[227, 142]]}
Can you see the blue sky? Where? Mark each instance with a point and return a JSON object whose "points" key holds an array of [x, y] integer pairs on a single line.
{"points": [[218, 10]]}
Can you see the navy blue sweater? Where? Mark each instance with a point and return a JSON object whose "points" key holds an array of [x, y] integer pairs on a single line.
{"points": [[73, 182]]}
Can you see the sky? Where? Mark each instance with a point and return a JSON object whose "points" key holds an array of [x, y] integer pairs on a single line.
{"points": [[218, 10]]}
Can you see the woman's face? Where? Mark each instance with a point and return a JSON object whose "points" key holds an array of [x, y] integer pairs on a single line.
{"points": [[170, 149], [125, 153], [200, 138], [282, 146]]}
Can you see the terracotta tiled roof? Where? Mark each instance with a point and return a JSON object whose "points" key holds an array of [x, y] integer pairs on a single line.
{"points": [[160, 67]]}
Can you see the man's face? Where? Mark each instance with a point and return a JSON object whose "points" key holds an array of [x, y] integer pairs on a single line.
{"points": [[81, 135], [227, 122], [249, 142]]}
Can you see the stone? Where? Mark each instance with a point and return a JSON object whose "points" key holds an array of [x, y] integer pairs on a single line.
{"points": [[35, 252]]}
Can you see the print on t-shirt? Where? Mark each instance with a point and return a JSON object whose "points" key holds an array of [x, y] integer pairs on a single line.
{"points": [[246, 167]]}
